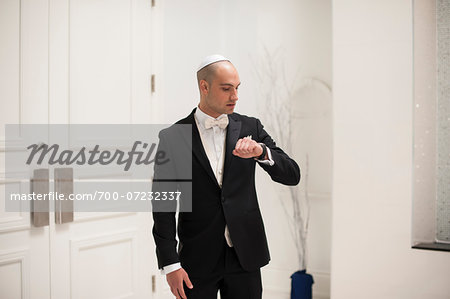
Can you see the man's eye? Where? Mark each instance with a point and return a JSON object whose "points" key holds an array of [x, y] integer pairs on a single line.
{"points": [[225, 89]]}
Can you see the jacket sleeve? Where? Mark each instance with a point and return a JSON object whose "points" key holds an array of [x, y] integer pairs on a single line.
{"points": [[285, 170], [164, 224]]}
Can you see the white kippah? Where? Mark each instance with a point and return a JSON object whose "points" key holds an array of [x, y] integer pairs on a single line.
{"points": [[211, 59]]}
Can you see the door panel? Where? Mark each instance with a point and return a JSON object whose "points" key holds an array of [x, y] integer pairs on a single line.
{"points": [[71, 62], [100, 61]]}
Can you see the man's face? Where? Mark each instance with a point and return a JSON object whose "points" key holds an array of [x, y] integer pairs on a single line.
{"points": [[221, 95]]}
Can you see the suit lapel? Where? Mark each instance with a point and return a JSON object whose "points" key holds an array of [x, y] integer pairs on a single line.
{"points": [[234, 128], [198, 149]]}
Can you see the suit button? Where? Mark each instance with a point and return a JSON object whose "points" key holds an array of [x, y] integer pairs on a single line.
{"points": [[223, 198]]}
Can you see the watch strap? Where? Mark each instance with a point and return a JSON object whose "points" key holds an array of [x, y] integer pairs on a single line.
{"points": [[263, 155]]}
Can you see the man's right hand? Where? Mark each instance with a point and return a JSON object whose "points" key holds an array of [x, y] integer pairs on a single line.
{"points": [[175, 280]]}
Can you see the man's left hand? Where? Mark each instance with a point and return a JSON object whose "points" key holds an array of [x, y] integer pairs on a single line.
{"points": [[247, 148]]}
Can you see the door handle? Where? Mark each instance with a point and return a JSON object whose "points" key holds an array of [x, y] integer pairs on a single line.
{"points": [[63, 186], [40, 208]]}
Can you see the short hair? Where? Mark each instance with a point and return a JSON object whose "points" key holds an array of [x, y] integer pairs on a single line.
{"points": [[207, 73]]}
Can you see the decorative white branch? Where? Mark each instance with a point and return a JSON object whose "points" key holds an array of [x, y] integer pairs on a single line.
{"points": [[277, 98]]}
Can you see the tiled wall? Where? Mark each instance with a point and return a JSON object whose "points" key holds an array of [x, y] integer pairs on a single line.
{"points": [[443, 121]]}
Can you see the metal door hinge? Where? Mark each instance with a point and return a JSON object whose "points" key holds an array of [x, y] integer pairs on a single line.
{"points": [[153, 283], [152, 82]]}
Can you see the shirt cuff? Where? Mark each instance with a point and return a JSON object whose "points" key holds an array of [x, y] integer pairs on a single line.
{"points": [[269, 162], [170, 268]]}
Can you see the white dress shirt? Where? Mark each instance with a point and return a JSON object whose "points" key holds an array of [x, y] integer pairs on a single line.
{"points": [[213, 141]]}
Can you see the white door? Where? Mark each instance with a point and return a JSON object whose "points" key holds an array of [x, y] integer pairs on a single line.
{"points": [[70, 62], [24, 249]]}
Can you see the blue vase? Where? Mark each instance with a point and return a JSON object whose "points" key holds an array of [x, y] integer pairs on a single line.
{"points": [[301, 285]]}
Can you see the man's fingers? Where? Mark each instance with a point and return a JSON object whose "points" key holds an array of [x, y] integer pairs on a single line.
{"points": [[238, 143], [241, 144], [175, 293], [176, 281], [188, 281], [181, 292], [252, 146], [245, 146]]}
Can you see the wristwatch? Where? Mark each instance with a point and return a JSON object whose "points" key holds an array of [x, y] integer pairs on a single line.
{"points": [[263, 155]]}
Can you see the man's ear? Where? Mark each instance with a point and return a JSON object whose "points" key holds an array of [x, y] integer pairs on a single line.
{"points": [[204, 87]]}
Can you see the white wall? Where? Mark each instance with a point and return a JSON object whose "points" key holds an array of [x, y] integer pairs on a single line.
{"points": [[300, 33], [373, 113]]}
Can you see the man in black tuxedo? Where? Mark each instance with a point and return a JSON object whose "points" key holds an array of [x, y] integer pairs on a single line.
{"points": [[222, 241]]}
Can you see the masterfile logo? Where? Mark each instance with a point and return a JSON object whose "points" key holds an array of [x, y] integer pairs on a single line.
{"points": [[98, 168], [70, 157]]}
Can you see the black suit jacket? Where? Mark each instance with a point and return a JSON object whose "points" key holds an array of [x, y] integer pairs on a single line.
{"points": [[201, 232]]}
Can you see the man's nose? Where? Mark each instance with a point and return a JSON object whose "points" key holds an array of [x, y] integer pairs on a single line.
{"points": [[234, 95]]}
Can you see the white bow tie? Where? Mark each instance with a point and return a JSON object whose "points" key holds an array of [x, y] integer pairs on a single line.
{"points": [[221, 122]]}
